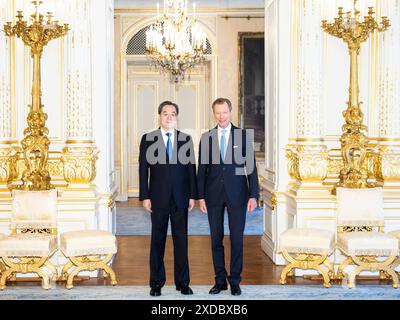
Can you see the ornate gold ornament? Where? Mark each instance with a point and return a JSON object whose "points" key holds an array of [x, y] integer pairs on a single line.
{"points": [[95, 262], [36, 142], [308, 163], [79, 164], [387, 166], [304, 261], [28, 265], [274, 200], [8, 166], [354, 142]]}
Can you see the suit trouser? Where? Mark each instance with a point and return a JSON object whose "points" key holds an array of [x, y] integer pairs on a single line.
{"points": [[237, 220], [159, 229]]}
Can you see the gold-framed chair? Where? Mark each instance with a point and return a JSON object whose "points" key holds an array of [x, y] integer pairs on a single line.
{"points": [[396, 263], [307, 248], [87, 250], [361, 237], [33, 238]]}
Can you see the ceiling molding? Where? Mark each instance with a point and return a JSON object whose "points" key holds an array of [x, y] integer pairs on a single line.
{"points": [[214, 11]]}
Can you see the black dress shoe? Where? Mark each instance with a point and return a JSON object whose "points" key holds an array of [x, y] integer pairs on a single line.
{"points": [[155, 292], [186, 290], [236, 291], [218, 288]]}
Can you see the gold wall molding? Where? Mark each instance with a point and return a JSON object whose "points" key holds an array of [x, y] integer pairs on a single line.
{"points": [[307, 163], [209, 10], [8, 166], [79, 164], [388, 164]]}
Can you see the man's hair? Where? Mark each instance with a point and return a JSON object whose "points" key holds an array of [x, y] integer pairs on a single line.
{"points": [[222, 101], [168, 103]]}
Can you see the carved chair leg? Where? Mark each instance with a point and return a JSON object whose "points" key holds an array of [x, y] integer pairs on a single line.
{"points": [[44, 276], [352, 276], [4, 276], [285, 272], [327, 280], [53, 269], [64, 272], [107, 269], [340, 272], [331, 269], [394, 277], [72, 275]]}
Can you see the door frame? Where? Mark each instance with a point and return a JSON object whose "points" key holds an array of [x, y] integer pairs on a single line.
{"points": [[122, 171]]}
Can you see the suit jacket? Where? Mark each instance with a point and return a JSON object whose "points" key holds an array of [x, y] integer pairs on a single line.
{"points": [[161, 179], [236, 175]]}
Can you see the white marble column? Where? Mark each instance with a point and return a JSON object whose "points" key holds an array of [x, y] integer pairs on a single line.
{"points": [[80, 153], [7, 153], [102, 97], [308, 158], [389, 95]]}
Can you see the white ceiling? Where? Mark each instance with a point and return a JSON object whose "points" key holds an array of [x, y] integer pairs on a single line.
{"points": [[222, 4]]}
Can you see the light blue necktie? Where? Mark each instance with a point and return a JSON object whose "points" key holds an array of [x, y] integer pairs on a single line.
{"points": [[222, 144], [169, 145]]}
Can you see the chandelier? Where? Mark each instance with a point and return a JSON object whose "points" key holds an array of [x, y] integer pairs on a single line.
{"points": [[176, 42]]}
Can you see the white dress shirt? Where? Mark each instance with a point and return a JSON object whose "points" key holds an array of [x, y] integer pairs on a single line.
{"points": [[165, 138]]}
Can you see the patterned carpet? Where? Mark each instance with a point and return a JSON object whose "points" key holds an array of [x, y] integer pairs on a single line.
{"points": [[136, 221], [249, 292]]}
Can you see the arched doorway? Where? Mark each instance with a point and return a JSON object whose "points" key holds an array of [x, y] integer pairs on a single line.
{"points": [[143, 88]]}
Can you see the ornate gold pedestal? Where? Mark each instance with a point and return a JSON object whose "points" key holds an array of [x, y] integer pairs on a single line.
{"points": [[354, 141], [36, 143]]}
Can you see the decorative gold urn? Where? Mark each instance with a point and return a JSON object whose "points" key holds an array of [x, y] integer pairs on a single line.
{"points": [[354, 142]]}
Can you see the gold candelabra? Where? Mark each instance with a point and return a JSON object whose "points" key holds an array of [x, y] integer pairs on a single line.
{"points": [[36, 143], [354, 142]]}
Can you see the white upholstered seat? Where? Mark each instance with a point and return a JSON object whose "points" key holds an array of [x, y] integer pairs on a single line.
{"points": [[362, 209], [87, 242], [33, 237], [307, 240], [22, 245], [307, 248], [87, 250], [368, 244]]}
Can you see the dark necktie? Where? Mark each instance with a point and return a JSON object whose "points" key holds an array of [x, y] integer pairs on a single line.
{"points": [[169, 146]]}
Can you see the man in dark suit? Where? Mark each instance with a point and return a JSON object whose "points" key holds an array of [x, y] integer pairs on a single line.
{"points": [[227, 178], [167, 174]]}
